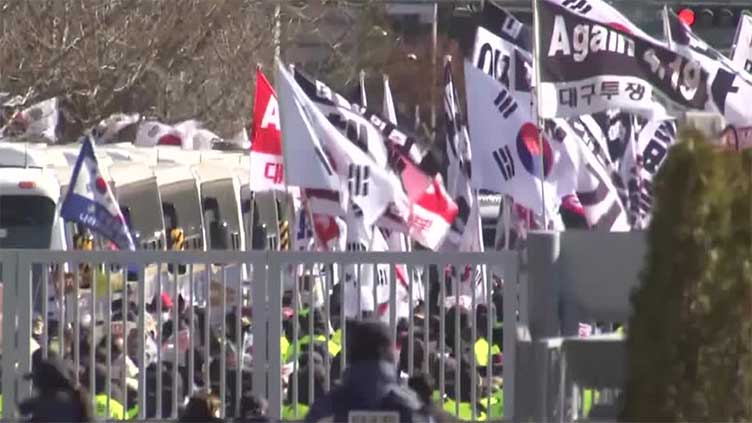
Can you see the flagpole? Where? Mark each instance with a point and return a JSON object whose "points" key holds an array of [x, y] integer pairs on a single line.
{"points": [[434, 58], [362, 81], [537, 64], [277, 30]]}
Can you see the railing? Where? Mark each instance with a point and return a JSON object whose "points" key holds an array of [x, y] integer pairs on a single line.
{"points": [[47, 296]]}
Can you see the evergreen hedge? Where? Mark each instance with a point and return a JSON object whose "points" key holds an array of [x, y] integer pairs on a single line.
{"points": [[690, 336]]}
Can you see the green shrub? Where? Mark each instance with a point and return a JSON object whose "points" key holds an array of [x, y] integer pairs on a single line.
{"points": [[690, 336]]}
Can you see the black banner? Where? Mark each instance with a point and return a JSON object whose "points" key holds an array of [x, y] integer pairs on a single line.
{"points": [[575, 48]]}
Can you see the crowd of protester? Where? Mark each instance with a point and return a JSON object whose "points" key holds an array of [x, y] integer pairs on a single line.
{"points": [[316, 383]]}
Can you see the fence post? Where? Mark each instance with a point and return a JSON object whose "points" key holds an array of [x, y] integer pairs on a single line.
{"points": [[543, 285], [260, 319], [274, 319], [512, 269], [24, 306], [9, 261]]}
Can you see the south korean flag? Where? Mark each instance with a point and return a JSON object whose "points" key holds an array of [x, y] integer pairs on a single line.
{"points": [[90, 202]]}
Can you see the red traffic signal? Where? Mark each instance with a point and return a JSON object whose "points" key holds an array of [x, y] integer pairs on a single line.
{"points": [[687, 16], [703, 16]]}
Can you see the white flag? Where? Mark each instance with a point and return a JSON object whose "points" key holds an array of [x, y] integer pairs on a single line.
{"points": [[112, 128], [389, 146], [505, 143], [308, 165], [640, 165], [741, 51], [596, 191], [359, 278], [40, 119], [152, 133], [368, 185], [388, 103]]}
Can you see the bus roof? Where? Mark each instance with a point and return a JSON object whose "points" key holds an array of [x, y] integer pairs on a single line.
{"points": [[208, 172], [170, 173], [22, 155], [128, 173]]}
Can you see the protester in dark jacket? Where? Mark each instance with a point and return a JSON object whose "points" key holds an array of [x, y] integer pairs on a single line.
{"points": [[370, 383], [57, 399]]}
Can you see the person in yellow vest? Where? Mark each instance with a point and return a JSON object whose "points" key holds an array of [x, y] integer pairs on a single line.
{"points": [[319, 335], [493, 405], [296, 411], [116, 409], [117, 412], [481, 346], [284, 348]]}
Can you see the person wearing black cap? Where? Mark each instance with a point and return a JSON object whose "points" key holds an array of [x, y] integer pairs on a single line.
{"points": [[57, 398], [370, 384]]}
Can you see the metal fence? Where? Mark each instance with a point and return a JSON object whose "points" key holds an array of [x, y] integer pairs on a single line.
{"points": [[224, 319]]}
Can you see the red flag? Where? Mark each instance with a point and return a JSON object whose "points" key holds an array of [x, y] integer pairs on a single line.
{"points": [[432, 215], [267, 169]]}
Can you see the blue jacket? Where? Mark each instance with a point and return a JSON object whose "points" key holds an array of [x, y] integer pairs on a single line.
{"points": [[368, 386]]}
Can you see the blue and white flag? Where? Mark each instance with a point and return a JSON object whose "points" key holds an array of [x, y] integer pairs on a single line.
{"points": [[90, 201]]}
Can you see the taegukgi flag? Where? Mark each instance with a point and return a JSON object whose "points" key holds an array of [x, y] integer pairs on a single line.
{"points": [[91, 203]]}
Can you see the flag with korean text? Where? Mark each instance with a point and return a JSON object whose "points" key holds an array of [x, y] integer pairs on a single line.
{"points": [[267, 166]]}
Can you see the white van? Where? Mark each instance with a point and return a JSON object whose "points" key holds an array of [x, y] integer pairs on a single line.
{"points": [[29, 199]]}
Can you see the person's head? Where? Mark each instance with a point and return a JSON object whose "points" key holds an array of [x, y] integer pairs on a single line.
{"points": [[317, 355], [201, 407], [312, 317], [370, 340], [252, 406], [451, 320], [418, 355], [51, 374], [304, 376], [481, 319]]}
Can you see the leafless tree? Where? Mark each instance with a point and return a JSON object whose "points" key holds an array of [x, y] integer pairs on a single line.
{"points": [[179, 59]]}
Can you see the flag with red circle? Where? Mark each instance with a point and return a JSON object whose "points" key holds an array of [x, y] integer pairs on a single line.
{"points": [[90, 201]]}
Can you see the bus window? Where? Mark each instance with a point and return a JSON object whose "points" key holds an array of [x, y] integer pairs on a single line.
{"points": [[182, 209], [221, 215], [170, 217], [26, 221], [217, 238], [143, 213]]}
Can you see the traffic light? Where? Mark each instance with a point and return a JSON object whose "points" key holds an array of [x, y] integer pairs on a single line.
{"points": [[702, 16]]}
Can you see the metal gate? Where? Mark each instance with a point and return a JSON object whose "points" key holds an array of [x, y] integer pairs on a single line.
{"points": [[230, 315]]}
